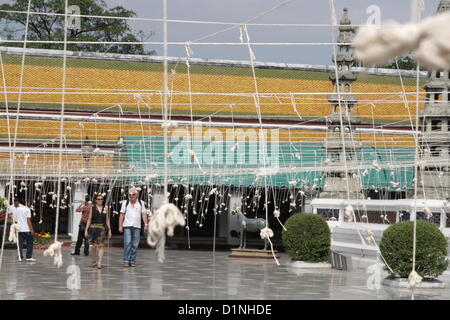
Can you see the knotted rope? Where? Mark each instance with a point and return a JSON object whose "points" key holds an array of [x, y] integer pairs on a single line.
{"points": [[266, 234], [54, 250], [167, 217], [430, 40]]}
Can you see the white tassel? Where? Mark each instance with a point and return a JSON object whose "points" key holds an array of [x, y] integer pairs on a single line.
{"points": [[13, 232], [414, 279], [167, 217], [349, 213], [266, 234], [375, 165], [430, 39], [169, 124], [188, 197], [428, 213], [276, 213], [54, 250], [187, 46], [327, 161], [369, 236], [434, 45], [293, 182]]}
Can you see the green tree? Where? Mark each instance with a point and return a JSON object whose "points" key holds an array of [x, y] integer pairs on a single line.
{"points": [[51, 27], [404, 63]]}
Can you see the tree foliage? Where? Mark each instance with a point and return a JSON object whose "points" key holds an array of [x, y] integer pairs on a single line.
{"points": [[51, 27], [404, 63]]}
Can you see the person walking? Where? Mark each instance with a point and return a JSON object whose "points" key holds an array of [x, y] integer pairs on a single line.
{"points": [[98, 227], [84, 208], [131, 213], [22, 216]]}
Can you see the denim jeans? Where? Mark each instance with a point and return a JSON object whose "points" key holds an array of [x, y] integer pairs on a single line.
{"points": [[28, 238], [131, 237], [80, 239]]}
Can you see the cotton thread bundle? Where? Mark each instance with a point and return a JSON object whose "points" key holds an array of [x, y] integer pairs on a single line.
{"points": [[375, 165], [13, 232], [428, 213], [55, 251], [349, 213], [414, 279], [369, 236], [276, 214], [430, 40], [266, 234], [165, 219]]}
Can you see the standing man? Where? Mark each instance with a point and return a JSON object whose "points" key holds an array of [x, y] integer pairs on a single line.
{"points": [[130, 224], [84, 208], [22, 216]]}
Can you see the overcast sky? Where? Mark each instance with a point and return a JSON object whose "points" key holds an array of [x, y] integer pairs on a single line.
{"points": [[297, 11], [236, 11]]}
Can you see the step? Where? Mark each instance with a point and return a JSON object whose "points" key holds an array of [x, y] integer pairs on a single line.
{"points": [[354, 249]]}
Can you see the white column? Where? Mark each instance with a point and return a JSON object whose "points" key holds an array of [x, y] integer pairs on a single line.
{"points": [[74, 217]]}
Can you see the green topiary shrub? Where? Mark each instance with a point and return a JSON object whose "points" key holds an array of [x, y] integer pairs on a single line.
{"points": [[396, 246], [307, 238]]}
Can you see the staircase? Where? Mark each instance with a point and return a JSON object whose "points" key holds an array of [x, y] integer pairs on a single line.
{"points": [[346, 241]]}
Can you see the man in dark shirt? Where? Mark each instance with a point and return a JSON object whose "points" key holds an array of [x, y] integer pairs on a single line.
{"points": [[84, 208]]}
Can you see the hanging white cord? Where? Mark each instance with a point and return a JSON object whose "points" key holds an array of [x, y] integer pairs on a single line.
{"points": [[165, 93], [11, 159], [266, 233], [189, 53], [19, 100], [57, 245], [414, 278]]}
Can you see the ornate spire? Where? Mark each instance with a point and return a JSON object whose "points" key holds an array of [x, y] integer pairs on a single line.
{"points": [[444, 5], [344, 24], [345, 58]]}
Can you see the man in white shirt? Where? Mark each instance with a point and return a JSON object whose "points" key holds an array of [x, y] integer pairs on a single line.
{"points": [[130, 224], [22, 216]]}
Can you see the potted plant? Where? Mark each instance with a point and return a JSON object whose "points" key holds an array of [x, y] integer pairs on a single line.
{"points": [[396, 246], [307, 240]]}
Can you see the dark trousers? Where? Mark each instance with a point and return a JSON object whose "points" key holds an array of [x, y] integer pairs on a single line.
{"points": [[26, 237], [81, 229]]}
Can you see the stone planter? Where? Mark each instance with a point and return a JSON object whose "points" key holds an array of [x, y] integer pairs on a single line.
{"points": [[308, 265], [403, 283]]}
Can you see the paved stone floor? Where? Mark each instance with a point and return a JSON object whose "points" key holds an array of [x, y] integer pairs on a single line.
{"points": [[186, 275]]}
